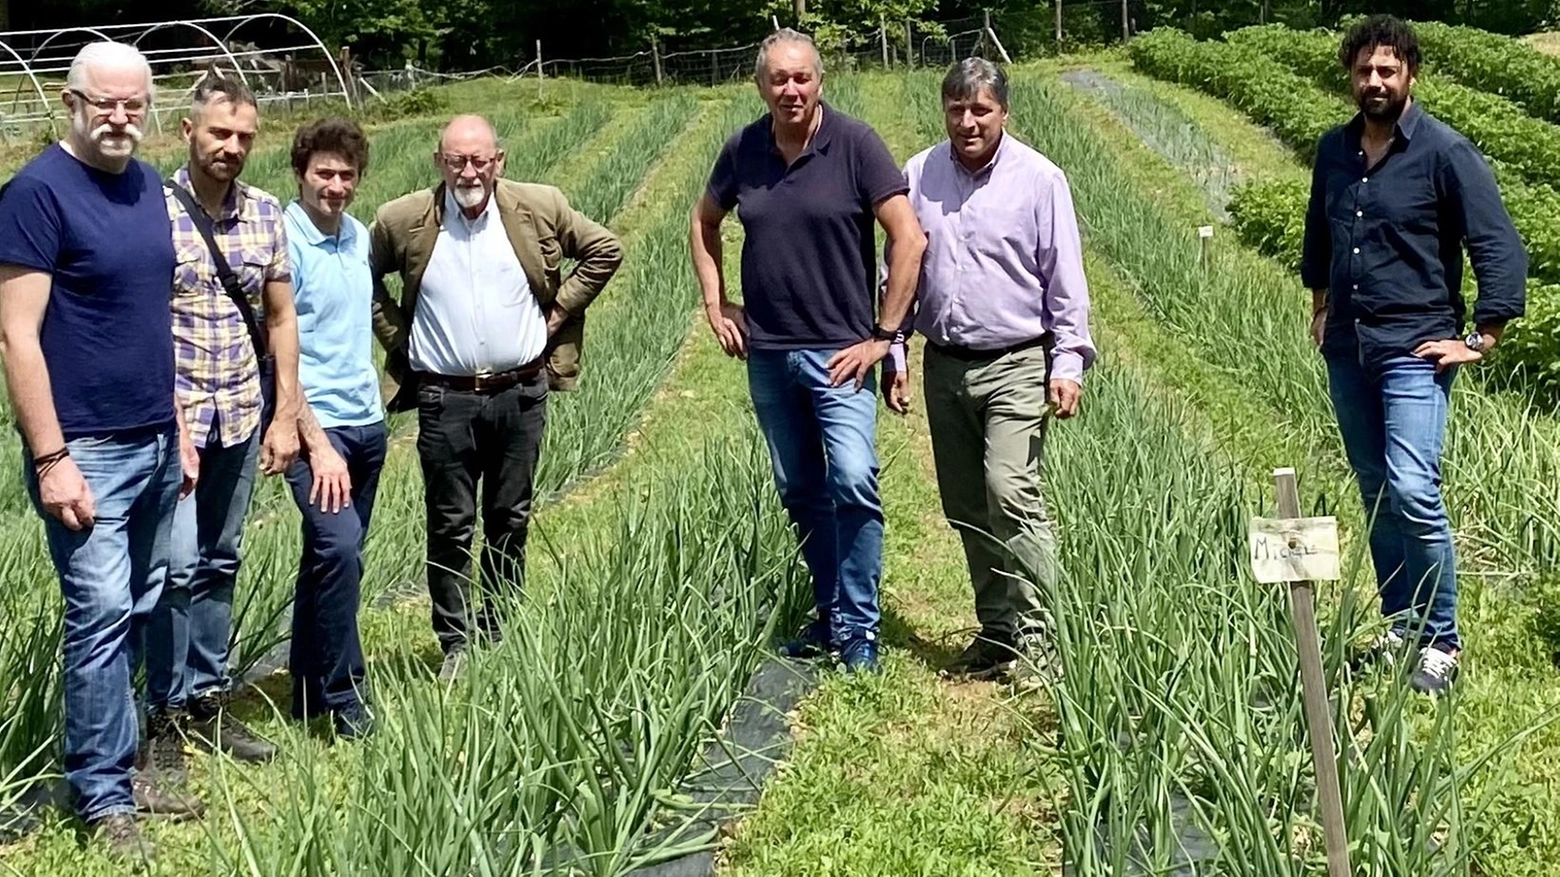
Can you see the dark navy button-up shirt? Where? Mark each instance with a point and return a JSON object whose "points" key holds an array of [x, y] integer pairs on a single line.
{"points": [[1386, 241]]}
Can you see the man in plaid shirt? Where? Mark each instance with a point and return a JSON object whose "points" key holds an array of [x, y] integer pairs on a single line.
{"points": [[225, 387]]}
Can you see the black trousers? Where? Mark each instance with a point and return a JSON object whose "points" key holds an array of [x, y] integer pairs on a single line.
{"points": [[464, 438], [326, 661]]}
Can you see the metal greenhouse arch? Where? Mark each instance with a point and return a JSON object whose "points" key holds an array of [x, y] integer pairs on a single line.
{"points": [[39, 60]]}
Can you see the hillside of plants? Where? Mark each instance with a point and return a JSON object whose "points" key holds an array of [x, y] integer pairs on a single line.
{"points": [[1171, 740]]}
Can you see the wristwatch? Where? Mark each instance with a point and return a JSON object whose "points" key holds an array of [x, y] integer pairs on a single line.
{"points": [[1475, 342], [881, 334]]}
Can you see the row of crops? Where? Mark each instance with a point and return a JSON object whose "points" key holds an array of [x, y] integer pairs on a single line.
{"points": [[1305, 96], [562, 749], [1181, 735]]}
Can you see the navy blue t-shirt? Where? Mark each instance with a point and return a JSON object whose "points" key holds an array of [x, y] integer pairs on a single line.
{"points": [[809, 258], [107, 332]]}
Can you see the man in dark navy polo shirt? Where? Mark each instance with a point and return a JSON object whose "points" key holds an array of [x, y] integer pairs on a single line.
{"points": [[1395, 196], [85, 240], [808, 182]]}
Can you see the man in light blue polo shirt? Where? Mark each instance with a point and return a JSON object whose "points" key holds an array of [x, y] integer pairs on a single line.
{"points": [[342, 427]]}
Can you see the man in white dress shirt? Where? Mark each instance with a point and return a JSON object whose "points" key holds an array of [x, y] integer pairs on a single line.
{"points": [[484, 328]]}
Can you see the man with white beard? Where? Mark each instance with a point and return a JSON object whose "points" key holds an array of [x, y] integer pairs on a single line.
{"points": [[485, 327], [84, 236]]}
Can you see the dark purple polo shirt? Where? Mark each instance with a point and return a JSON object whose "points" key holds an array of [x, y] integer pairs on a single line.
{"points": [[809, 258]]}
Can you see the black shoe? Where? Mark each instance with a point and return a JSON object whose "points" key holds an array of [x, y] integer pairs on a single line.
{"points": [[162, 753], [213, 726], [812, 642], [988, 656], [152, 799], [353, 722], [122, 836]]}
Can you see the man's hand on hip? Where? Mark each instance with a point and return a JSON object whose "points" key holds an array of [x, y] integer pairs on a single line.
{"points": [[280, 447], [1064, 396], [1445, 354], [64, 494], [856, 361]]}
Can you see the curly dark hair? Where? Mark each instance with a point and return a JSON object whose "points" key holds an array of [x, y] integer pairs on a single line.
{"points": [[1377, 31], [337, 135]]}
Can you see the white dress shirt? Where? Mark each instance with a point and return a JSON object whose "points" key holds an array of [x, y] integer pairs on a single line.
{"points": [[475, 312]]}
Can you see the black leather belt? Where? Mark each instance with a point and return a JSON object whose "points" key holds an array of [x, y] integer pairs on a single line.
{"points": [[970, 354], [492, 383]]}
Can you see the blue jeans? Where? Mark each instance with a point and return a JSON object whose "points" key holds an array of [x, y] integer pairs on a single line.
{"points": [[822, 442], [110, 575], [1393, 420], [187, 641], [326, 660]]}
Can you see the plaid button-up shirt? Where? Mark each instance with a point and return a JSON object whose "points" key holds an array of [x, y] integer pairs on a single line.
{"points": [[217, 369]]}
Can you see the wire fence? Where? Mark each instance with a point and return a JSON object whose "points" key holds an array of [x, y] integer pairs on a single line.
{"points": [[892, 45]]}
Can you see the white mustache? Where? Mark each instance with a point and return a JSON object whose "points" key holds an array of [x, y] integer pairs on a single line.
{"points": [[129, 130]]}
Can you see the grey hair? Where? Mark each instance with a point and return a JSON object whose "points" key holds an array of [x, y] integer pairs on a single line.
{"points": [[107, 53], [785, 35], [215, 88], [966, 78]]}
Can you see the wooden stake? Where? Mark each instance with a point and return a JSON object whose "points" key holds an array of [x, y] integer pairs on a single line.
{"points": [[883, 39], [655, 55], [1058, 23], [1318, 711], [1126, 27], [539, 75], [909, 47]]}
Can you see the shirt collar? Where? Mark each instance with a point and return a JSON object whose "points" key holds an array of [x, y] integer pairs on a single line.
{"points": [[311, 233], [820, 139], [1407, 123], [1002, 148], [237, 205]]}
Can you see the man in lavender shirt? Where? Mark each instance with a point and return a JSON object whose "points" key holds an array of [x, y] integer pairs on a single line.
{"points": [[1004, 308]]}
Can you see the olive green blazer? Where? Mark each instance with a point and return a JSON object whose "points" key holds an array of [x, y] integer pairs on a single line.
{"points": [[544, 230]]}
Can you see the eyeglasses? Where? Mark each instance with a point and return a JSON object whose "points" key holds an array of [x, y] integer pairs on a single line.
{"points": [[133, 106], [457, 163]]}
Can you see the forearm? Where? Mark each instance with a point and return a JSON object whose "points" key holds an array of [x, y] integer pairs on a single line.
{"points": [[707, 255], [32, 398], [310, 434], [904, 275], [1318, 301], [283, 331]]}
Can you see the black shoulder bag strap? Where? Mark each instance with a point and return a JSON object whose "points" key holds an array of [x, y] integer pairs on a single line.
{"points": [[230, 281]]}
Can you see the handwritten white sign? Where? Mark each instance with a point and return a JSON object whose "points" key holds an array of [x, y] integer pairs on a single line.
{"points": [[1294, 550], [1205, 231]]}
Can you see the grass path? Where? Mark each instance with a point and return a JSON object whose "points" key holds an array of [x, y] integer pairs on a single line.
{"points": [[907, 773]]}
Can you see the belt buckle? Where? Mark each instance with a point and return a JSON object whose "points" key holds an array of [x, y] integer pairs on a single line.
{"points": [[479, 383]]}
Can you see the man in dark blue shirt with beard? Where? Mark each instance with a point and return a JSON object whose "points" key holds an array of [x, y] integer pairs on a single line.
{"points": [[1395, 197]]}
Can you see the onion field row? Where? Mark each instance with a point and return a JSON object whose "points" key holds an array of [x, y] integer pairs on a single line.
{"points": [[563, 748]]}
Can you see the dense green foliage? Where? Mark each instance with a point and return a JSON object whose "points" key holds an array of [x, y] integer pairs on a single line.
{"points": [[1271, 215], [1493, 63], [475, 34], [1530, 147]]}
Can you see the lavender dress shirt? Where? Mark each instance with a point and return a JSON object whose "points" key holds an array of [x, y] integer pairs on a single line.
{"points": [[1003, 261]]}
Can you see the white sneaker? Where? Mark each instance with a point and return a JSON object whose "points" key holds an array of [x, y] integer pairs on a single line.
{"points": [[1435, 672]]}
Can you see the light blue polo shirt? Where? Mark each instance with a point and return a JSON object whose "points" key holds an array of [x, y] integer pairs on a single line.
{"points": [[334, 292]]}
